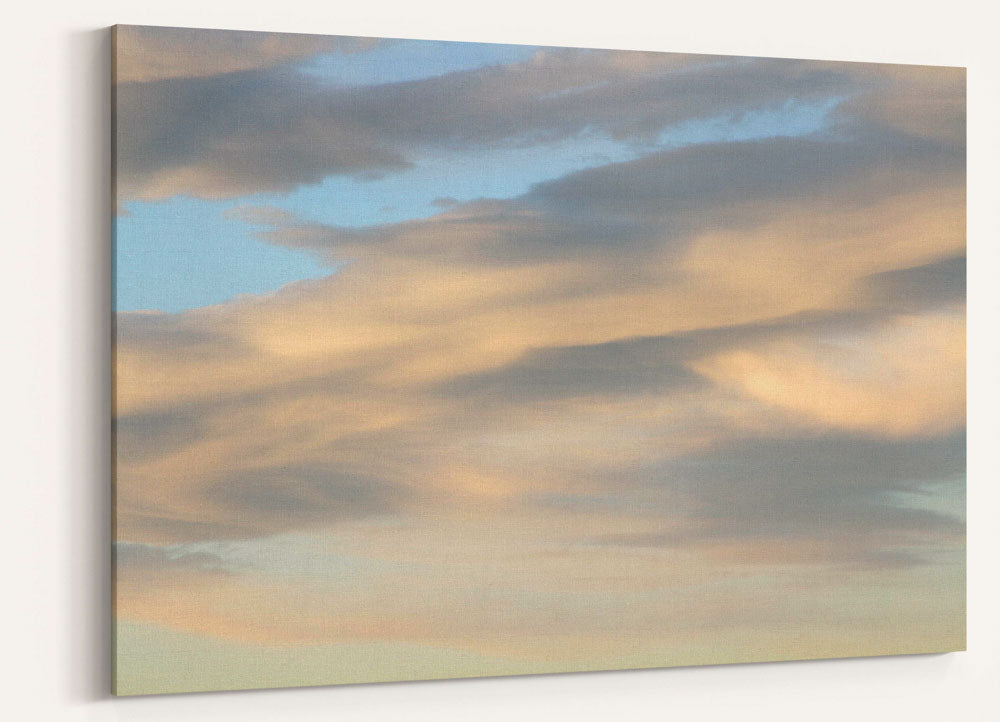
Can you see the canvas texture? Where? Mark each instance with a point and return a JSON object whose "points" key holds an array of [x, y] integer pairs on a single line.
{"points": [[439, 359]]}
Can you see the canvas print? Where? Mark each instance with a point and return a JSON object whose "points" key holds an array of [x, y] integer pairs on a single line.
{"points": [[441, 359]]}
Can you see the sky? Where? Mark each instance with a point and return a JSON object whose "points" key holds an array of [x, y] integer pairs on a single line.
{"points": [[451, 359]]}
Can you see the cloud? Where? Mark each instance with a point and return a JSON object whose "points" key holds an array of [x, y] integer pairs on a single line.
{"points": [[909, 290], [189, 472], [144, 435], [273, 128], [244, 132], [818, 381], [290, 496], [246, 120], [720, 385], [252, 502], [918, 100], [514, 360], [662, 201], [145, 54], [131, 557], [425, 583], [618, 368], [834, 487]]}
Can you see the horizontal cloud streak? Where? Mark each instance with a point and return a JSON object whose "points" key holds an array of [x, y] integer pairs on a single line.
{"points": [[239, 132], [147, 54]]}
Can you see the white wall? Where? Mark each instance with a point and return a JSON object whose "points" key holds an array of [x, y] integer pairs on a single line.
{"points": [[54, 289]]}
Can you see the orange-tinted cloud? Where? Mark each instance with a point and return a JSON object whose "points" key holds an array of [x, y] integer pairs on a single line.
{"points": [[663, 389]]}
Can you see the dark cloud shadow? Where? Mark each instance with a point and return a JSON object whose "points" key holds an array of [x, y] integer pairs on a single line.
{"points": [[835, 491], [617, 369], [909, 290]]}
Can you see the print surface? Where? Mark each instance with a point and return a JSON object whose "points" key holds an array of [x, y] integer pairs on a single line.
{"points": [[441, 359]]}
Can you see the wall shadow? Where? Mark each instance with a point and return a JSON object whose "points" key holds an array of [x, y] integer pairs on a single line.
{"points": [[88, 567]]}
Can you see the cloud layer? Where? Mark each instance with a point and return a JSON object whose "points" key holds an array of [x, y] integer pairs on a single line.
{"points": [[640, 412]]}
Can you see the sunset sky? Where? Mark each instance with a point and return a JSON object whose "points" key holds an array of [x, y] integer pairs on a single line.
{"points": [[452, 359]]}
